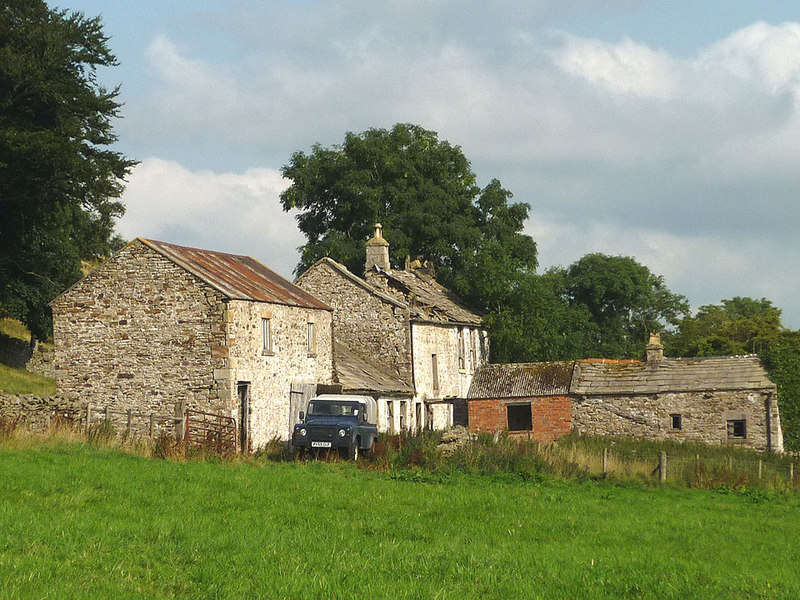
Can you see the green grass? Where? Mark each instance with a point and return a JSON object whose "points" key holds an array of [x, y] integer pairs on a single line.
{"points": [[20, 381], [82, 522], [15, 380]]}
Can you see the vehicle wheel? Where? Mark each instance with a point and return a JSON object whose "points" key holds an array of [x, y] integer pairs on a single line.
{"points": [[354, 450]]}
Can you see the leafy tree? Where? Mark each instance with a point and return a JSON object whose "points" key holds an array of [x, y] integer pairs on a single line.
{"points": [[624, 300], [737, 326], [537, 322], [421, 188], [58, 179]]}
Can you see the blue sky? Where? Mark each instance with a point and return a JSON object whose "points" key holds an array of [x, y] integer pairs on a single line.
{"points": [[667, 130]]}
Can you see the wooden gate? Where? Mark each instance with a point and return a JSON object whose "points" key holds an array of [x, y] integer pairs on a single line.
{"points": [[210, 432]]}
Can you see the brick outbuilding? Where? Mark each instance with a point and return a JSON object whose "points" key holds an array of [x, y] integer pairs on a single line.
{"points": [[526, 399]]}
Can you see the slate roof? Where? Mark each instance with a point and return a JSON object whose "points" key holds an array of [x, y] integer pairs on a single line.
{"points": [[237, 277], [606, 377], [521, 380], [358, 374], [429, 300]]}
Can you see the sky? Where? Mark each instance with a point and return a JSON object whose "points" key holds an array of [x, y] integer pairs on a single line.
{"points": [[664, 130]]}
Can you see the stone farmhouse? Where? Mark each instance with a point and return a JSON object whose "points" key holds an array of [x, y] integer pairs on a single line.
{"points": [[159, 323], [715, 400], [401, 336]]}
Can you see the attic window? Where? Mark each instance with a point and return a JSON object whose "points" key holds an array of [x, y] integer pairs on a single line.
{"points": [[519, 417], [676, 421], [737, 429]]}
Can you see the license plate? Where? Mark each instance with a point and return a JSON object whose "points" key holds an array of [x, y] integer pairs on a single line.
{"points": [[320, 444]]}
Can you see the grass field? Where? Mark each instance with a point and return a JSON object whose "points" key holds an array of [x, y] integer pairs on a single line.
{"points": [[15, 380], [81, 522]]}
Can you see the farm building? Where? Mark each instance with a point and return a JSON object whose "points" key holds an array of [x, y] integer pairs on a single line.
{"points": [[402, 325], [715, 400], [160, 323], [527, 399]]}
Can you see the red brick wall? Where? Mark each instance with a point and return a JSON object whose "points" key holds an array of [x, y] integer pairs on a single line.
{"points": [[550, 416]]}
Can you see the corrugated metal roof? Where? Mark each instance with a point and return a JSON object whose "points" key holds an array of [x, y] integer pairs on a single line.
{"points": [[670, 375], [521, 380], [237, 277], [358, 374]]}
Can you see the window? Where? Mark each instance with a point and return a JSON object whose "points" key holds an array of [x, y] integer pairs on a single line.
{"points": [[435, 372], [472, 351], [677, 421], [519, 417], [737, 429], [461, 349], [266, 336], [312, 339]]}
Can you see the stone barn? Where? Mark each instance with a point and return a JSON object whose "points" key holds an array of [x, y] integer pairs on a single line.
{"points": [[715, 400], [526, 399], [160, 323], [415, 329]]}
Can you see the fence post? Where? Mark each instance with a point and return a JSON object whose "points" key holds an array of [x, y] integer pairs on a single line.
{"points": [[128, 425], [106, 414], [152, 425], [88, 417], [662, 466], [180, 420], [730, 463], [791, 472], [697, 465], [759, 468], [605, 460]]}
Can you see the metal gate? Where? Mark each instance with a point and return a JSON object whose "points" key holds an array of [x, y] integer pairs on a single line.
{"points": [[210, 432]]}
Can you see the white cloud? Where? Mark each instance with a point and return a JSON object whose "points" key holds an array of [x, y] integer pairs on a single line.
{"points": [[607, 140], [624, 68], [231, 212]]}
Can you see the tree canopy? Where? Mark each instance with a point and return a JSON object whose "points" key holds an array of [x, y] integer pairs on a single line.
{"points": [[420, 188], [58, 177]]}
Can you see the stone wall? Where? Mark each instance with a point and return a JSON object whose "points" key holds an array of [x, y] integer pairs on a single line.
{"points": [[270, 374], [443, 341], [139, 333], [550, 416], [34, 412], [371, 326], [704, 417]]}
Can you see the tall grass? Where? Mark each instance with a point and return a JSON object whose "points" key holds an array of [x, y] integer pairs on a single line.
{"points": [[79, 520]]}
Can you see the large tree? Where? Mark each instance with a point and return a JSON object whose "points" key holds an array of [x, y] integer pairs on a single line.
{"points": [[59, 180], [421, 188], [625, 300]]}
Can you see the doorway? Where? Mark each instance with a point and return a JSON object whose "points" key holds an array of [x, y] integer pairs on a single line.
{"points": [[243, 392]]}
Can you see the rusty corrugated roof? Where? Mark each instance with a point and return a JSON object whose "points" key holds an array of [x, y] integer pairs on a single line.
{"points": [[237, 277], [521, 380]]}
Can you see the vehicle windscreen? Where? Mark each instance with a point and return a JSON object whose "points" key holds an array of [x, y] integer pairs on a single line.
{"points": [[334, 409]]}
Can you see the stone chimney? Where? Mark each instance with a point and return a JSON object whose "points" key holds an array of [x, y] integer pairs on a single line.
{"points": [[377, 256], [655, 350]]}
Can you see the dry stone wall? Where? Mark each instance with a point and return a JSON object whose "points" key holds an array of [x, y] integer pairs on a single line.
{"points": [[703, 417], [35, 412], [139, 333]]}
